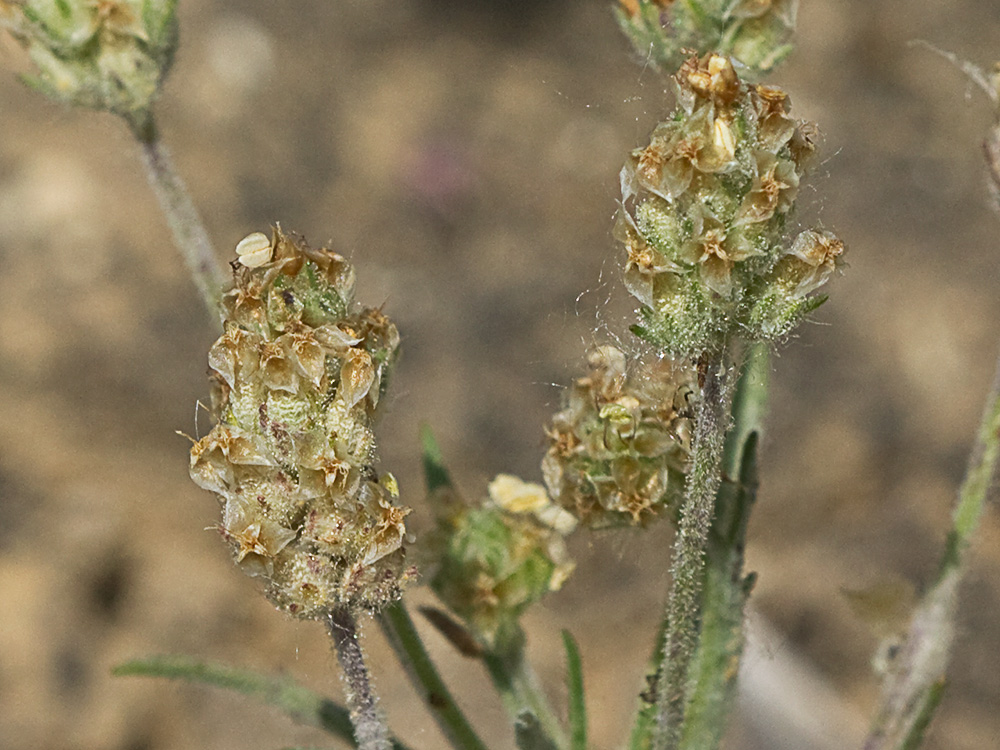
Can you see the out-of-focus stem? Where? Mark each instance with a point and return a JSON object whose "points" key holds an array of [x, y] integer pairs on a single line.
{"points": [[914, 687], [370, 729], [518, 685], [182, 217], [688, 564]]}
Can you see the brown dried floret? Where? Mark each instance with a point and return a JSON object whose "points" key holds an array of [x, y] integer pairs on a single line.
{"points": [[774, 189], [775, 127], [812, 259], [710, 77], [714, 251]]}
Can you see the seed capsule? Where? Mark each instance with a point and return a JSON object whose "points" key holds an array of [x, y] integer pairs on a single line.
{"points": [[254, 250]]}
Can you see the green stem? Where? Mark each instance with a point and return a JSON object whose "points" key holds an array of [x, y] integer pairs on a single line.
{"points": [[370, 729], [574, 686], [186, 226], [688, 565], [913, 688], [517, 684], [405, 640]]}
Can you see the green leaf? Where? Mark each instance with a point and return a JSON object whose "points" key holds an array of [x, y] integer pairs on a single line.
{"points": [[435, 473], [405, 641], [749, 406], [453, 631], [813, 303], [645, 715], [159, 18], [301, 704], [63, 7], [574, 685]]}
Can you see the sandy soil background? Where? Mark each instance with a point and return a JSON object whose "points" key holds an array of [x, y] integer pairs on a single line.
{"points": [[465, 154]]}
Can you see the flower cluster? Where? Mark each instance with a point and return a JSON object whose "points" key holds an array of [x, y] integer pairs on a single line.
{"points": [[298, 374], [102, 54], [497, 559], [705, 209], [755, 32], [619, 448]]}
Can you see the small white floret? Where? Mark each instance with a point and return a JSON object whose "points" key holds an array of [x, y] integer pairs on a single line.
{"points": [[254, 250], [724, 140], [517, 496]]}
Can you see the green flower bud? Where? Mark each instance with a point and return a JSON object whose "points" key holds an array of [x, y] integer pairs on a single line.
{"points": [[499, 558], [757, 33], [705, 207], [783, 301], [101, 54], [619, 448], [298, 374]]}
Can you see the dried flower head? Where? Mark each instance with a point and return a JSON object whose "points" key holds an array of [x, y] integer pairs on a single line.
{"points": [[298, 374], [705, 209], [619, 447]]}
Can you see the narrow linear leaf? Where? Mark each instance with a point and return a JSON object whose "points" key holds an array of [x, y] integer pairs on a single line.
{"points": [[299, 703], [749, 406], [435, 473], [645, 715], [413, 657], [453, 631], [574, 685]]}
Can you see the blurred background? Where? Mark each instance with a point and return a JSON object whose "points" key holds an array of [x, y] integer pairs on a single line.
{"points": [[466, 156]]}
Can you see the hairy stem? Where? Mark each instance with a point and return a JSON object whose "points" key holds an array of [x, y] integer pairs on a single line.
{"points": [[186, 226], [405, 641], [688, 565], [370, 729], [715, 664]]}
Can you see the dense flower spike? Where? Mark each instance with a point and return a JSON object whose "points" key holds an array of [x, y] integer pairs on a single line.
{"points": [[757, 33], [619, 449], [705, 209], [102, 54], [497, 559], [298, 375]]}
